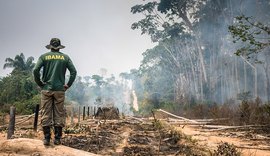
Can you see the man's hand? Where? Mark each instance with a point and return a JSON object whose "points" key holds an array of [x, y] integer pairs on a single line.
{"points": [[66, 87]]}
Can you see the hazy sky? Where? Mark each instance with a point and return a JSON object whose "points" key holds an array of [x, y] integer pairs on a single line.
{"points": [[96, 33]]}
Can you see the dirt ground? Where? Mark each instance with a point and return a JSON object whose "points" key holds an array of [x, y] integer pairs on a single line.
{"points": [[140, 137], [123, 137], [250, 144], [130, 137]]}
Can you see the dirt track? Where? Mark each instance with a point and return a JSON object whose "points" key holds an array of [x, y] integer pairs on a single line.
{"points": [[213, 139]]}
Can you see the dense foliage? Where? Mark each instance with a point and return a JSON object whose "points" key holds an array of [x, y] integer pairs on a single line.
{"points": [[19, 88], [193, 62]]}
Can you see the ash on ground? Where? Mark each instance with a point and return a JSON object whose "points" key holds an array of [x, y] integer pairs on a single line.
{"points": [[129, 137]]}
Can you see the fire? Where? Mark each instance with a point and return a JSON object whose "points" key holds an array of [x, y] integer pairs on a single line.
{"points": [[135, 101]]}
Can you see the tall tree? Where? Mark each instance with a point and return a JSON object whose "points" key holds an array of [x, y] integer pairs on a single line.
{"points": [[19, 63], [254, 37], [170, 19], [18, 86]]}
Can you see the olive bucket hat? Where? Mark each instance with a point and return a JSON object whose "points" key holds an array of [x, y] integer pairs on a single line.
{"points": [[55, 43]]}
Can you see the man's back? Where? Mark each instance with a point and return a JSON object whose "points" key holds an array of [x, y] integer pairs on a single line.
{"points": [[54, 69], [54, 65]]}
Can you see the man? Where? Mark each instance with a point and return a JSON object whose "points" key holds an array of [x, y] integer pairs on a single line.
{"points": [[53, 65]]}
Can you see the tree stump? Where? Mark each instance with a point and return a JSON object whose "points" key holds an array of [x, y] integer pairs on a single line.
{"points": [[108, 113]]}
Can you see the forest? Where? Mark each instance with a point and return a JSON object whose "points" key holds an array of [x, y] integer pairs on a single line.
{"points": [[210, 61]]}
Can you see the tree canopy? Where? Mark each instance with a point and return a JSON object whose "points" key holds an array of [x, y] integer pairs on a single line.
{"points": [[19, 63]]}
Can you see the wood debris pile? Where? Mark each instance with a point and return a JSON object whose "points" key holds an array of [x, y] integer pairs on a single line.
{"points": [[107, 113]]}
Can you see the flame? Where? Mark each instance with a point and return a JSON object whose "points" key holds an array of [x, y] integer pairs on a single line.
{"points": [[135, 101]]}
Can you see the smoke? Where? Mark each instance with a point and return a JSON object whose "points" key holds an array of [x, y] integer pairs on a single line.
{"points": [[229, 74], [99, 91]]}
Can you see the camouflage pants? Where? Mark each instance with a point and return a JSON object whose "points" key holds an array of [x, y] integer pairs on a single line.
{"points": [[52, 108]]}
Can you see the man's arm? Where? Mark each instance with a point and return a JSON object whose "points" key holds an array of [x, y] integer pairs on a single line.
{"points": [[73, 73], [36, 72]]}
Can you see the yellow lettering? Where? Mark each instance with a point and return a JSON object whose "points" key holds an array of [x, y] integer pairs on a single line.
{"points": [[54, 57], [57, 57]]}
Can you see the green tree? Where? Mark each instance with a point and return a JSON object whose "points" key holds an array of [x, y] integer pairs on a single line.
{"points": [[19, 88], [254, 34], [19, 63]]}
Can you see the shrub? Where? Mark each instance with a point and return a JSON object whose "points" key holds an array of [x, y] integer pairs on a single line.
{"points": [[226, 149]]}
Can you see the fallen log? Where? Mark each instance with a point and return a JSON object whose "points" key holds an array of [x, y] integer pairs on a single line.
{"points": [[24, 119], [267, 148], [187, 123], [137, 119], [171, 120], [211, 120], [21, 117], [221, 128], [216, 127], [179, 117]]}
